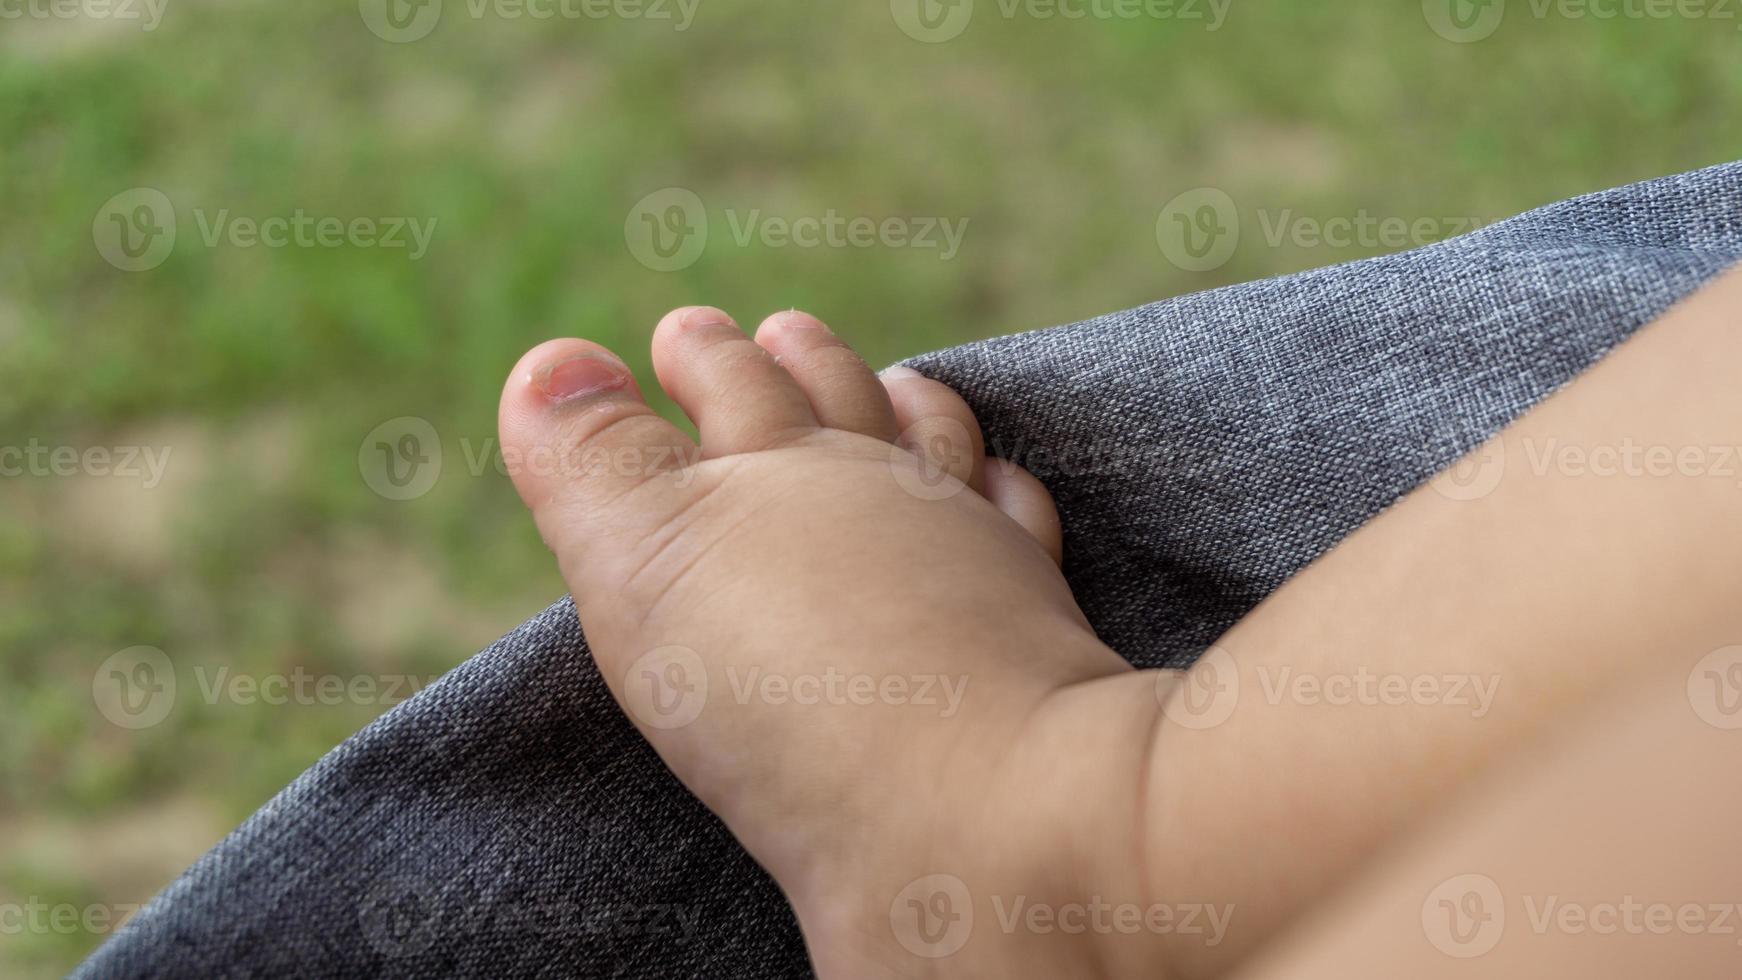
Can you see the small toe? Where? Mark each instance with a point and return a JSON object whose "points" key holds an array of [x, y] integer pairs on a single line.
{"points": [[937, 425], [740, 398], [844, 392], [1025, 500]]}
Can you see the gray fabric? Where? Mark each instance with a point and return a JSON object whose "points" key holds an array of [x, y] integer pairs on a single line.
{"points": [[508, 821]]}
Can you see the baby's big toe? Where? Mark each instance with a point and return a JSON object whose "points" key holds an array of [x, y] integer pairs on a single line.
{"points": [[577, 437]]}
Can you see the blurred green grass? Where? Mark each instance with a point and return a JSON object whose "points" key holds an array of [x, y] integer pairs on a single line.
{"points": [[529, 142]]}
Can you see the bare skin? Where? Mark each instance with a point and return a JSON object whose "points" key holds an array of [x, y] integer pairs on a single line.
{"points": [[769, 606], [1611, 853]]}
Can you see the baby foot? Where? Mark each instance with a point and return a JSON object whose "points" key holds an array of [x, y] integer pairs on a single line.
{"points": [[844, 628]]}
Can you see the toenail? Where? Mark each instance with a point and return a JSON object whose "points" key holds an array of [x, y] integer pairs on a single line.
{"points": [[801, 321], [583, 374], [899, 373], [704, 316]]}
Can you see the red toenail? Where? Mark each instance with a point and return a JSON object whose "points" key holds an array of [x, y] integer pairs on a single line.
{"points": [[583, 374]]}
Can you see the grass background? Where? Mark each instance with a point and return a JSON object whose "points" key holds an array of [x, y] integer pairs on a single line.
{"points": [[262, 370]]}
